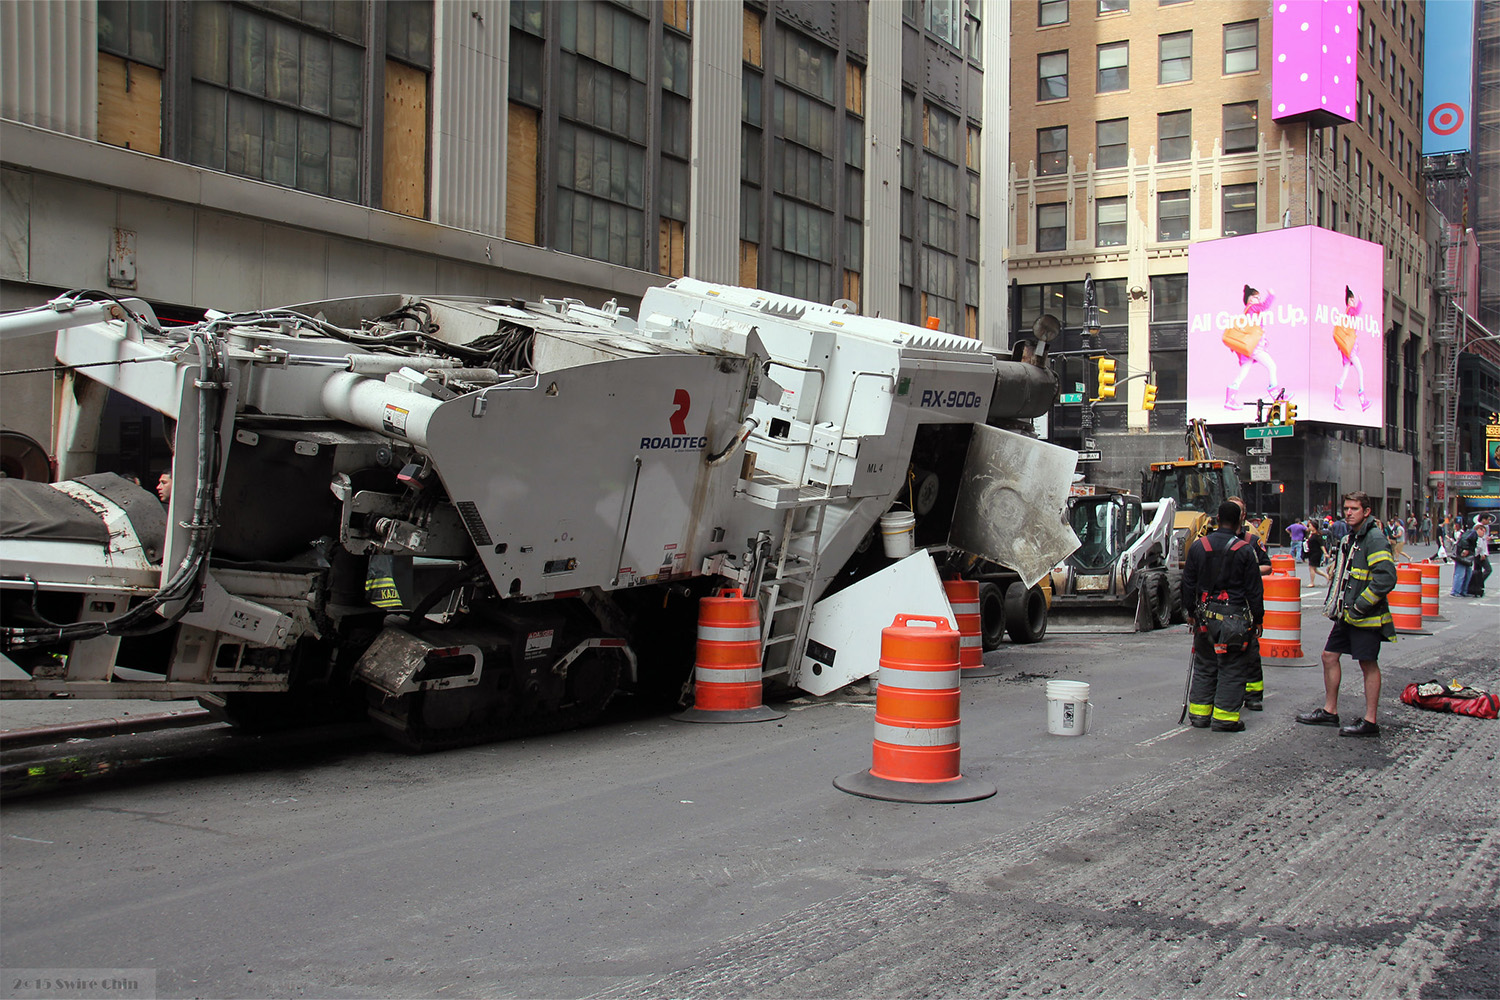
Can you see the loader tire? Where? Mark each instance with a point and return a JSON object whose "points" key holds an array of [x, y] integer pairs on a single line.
{"points": [[1174, 595], [1161, 601], [1025, 613], [991, 615]]}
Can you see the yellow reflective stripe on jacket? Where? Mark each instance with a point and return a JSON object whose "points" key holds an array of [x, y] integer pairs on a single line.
{"points": [[1357, 573], [1375, 557], [1350, 618], [1369, 595], [1224, 716], [1201, 710]]}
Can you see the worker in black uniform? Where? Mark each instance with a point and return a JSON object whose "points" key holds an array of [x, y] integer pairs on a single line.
{"points": [[1221, 583], [1255, 676]]}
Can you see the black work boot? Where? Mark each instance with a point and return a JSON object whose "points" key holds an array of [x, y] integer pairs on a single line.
{"points": [[1255, 704], [1225, 726]]}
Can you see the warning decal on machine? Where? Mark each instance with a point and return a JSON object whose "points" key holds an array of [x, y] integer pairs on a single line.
{"points": [[538, 643], [395, 419]]}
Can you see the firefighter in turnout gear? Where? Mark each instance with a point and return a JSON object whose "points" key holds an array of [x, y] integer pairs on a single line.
{"points": [[1363, 574], [1255, 675], [1221, 583]]}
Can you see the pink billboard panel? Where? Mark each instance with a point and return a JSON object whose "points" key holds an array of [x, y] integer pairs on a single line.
{"points": [[1313, 48], [1293, 314]]}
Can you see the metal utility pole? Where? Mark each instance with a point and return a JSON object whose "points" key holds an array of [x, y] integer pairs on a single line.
{"points": [[1090, 339]]}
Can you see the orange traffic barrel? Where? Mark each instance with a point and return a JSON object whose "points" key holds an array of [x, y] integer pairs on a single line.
{"points": [[915, 753], [1406, 600], [1430, 589], [1281, 636], [963, 598], [1284, 564], [726, 673]]}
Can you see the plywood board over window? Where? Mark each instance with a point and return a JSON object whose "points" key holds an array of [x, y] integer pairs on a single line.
{"points": [[520, 175], [672, 248], [749, 264], [752, 38], [129, 104], [854, 88], [403, 176], [677, 14]]}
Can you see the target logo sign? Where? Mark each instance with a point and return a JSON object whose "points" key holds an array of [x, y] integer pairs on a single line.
{"points": [[1445, 119]]}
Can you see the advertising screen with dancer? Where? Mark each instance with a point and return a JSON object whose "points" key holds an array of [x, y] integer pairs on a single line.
{"points": [[1285, 316]]}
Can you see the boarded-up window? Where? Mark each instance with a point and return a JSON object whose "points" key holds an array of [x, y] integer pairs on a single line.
{"points": [[749, 264], [971, 322], [672, 248], [521, 175], [677, 14], [854, 88], [404, 164], [851, 287], [971, 149], [129, 104], [752, 38]]}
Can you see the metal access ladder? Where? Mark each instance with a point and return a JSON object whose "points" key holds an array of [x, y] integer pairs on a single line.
{"points": [[786, 594]]}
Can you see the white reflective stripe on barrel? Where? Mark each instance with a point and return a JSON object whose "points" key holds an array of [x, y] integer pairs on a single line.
{"points": [[729, 633], [1409, 588], [969, 640], [919, 680], [731, 675], [1281, 634], [1283, 605], [903, 736], [965, 608]]}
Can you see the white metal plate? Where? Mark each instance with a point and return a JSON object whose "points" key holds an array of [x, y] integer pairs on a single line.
{"points": [[1100, 582], [848, 624]]}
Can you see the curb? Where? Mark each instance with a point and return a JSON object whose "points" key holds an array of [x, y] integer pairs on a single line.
{"points": [[105, 727]]}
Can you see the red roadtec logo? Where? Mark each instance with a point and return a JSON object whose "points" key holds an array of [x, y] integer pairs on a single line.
{"points": [[1445, 119], [679, 440]]}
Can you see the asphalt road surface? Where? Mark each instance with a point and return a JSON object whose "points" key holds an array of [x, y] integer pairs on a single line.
{"points": [[649, 858]]}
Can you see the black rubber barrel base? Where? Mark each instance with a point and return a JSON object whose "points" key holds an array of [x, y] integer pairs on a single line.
{"points": [[971, 672], [960, 789], [758, 714]]}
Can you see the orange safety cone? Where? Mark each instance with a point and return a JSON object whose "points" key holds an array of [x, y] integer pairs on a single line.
{"points": [[963, 598], [916, 750], [726, 674], [1284, 564], [1281, 635], [1406, 601], [1431, 588]]}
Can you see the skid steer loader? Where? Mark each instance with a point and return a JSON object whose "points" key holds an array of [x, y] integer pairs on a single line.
{"points": [[1116, 581]]}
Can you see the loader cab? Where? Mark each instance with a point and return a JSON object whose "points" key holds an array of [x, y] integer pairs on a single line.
{"points": [[1195, 486], [1105, 526]]}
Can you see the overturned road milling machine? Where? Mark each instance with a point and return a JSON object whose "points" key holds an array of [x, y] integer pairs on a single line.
{"points": [[478, 518]]}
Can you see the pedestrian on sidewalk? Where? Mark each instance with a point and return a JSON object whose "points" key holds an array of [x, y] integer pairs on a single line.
{"points": [[1363, 574], [1315, 549], [1298, 532], [1481, 570], [1396, 535], [1464, 552], [1221, 584]]}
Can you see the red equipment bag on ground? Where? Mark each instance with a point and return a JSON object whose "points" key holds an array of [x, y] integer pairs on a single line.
{"points": [[1465, 701]]}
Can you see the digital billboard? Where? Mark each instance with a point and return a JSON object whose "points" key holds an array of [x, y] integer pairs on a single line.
{"points": [[1448, 77], [1313, 48], [1293, 314]]}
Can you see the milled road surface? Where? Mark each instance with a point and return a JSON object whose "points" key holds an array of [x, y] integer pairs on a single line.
{"points": [[649, 858]]}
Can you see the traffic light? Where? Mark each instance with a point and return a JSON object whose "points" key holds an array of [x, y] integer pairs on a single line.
{"points": [[1290, 416], [1106, 378], [1149, 402], [1275, 419]]}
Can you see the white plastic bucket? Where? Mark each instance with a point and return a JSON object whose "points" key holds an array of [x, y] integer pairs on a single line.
{"points": [[898, 530], [1068, 708]]}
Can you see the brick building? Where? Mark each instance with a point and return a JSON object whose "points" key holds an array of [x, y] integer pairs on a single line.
{"points": [[1140, 127]]}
